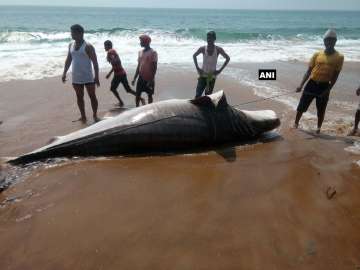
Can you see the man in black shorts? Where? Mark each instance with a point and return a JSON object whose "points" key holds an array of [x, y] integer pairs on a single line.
{"points": [[323, 72], [119, 73], [146, 70]]}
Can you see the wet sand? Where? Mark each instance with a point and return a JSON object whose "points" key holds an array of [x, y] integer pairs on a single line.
{"points": [[257, 206]]}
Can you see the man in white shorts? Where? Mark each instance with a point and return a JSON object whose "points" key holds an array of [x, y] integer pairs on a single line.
{"points": [[82, 57]]}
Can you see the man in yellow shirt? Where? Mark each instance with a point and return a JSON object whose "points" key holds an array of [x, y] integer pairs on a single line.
{"points": [[323, 72]]}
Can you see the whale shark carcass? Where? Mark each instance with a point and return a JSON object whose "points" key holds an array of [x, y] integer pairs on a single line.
{"points": [[163, 126]]}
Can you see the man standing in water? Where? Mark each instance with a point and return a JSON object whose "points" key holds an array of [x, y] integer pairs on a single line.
{"points": [[146, 70], [323, 71], [357, 117], [119, 73], [82, 56], [208, 72]]}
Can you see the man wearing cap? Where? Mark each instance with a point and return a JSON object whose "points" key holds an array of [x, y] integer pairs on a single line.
{"points": [[208, 72], [146, 70], [323, 72]]}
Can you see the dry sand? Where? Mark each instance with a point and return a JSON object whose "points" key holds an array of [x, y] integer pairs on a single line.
{"points": [[259, 206]]}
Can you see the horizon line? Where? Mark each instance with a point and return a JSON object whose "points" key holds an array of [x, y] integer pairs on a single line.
{"points": [[175, 8]]}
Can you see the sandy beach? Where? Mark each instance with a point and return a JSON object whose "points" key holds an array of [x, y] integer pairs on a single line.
{"points": [[267, 205]]}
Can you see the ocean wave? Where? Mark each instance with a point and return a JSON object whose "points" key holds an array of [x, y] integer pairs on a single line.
{"points": [[22, 34], [19, 49], [33, 37], [112, 30]]}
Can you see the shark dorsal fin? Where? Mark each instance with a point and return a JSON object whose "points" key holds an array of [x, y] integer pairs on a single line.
{"points": [[216, 100]]}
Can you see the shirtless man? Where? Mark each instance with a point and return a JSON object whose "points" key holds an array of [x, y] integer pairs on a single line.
{"points": [[208, 72], [119, 73], [146, 70], [82, 56]]}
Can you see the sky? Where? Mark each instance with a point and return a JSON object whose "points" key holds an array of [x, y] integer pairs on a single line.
{"points": [[225, 4]]}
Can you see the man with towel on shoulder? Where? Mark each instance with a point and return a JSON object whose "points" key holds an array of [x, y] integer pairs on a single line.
{"points": [[208, 72], [323, 71]]}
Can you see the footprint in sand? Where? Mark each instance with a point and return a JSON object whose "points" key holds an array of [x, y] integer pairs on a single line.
{"points": [[23, 218]]}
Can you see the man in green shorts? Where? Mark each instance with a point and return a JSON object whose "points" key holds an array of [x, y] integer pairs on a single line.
{"points": [[208, 72]]}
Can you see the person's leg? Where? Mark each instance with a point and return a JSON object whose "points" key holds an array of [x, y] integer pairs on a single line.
{"points": [[356, 125], [150, 89], [94, 102], [201, 85], [150, 98], [129, 90], [321, 104], [357, 120], [303, 106], [211, 87], [113, 88], [139, 86], [79, 90], [297, 118]]}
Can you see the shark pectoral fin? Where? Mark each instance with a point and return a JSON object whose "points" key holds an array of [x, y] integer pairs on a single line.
{"points": [[228, 153], [216, 100]]}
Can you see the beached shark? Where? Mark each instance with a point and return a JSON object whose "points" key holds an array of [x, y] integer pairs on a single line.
{"points": [[164, 126]]}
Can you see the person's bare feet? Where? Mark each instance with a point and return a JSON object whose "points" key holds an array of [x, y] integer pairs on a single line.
{"points": [[353, 132], [318, 131], [121, 104], [296, 125], [96, 119], [142, 100], [81, 119]]}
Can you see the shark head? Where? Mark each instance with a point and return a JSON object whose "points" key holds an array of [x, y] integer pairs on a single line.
{"points": [[262, 121]]}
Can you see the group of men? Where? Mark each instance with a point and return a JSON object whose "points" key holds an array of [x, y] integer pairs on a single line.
{"points": [[82, 56], [321, 76]]}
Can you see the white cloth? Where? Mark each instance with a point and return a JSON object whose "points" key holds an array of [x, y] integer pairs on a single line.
{"points": [[82, 71], [331, 33], [209, 61]]}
